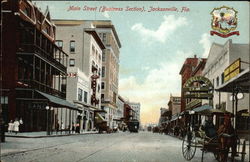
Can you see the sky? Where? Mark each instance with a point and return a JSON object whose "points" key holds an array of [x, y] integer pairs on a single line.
{"points": [[155, 44]]}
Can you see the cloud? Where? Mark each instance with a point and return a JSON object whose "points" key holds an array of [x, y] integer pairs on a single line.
{"points": [[106, 14], [154, 92], [145, 68], [168, 26], [206, 44]]}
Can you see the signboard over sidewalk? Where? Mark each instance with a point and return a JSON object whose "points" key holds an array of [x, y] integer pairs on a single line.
{"points": [[232, 70]]}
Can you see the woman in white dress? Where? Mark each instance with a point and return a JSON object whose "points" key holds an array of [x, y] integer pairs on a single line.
{"points": [[10, 126], [16, 126]]}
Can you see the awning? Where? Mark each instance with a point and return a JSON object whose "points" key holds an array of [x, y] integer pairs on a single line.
{"points": [[206, 109], [174, 117], [242, 81], [99, 118], [100, 111], [58, 102], [202, 108]]}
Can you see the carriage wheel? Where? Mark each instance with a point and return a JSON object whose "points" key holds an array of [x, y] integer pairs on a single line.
{"points": [[217, 156], [243, 153], [189, 146]]}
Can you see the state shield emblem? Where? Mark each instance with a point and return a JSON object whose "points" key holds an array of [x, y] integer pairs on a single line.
{"points": [[224, 22]]}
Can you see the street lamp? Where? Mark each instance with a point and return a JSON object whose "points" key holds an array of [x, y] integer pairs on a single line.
{"points": [[47, 112]]}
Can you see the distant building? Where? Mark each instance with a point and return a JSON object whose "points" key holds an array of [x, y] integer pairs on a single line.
{"points": [[165, 116], [174, 104], [119, 113], [137, 109]]}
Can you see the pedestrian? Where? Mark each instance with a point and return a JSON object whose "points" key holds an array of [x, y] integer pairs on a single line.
{"points": [[10, 126], [77, 128], [57, 126], [62, 127], [21, 124], [16, 126], [73, 127]]}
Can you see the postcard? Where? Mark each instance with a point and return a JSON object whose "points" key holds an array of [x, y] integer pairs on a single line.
{"points": [[124, 81]]}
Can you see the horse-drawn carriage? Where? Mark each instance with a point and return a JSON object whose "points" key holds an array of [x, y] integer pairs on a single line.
{"points": [[220, 141]]}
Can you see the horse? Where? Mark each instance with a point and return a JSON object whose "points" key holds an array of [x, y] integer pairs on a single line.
{"points": [[227, 139]]}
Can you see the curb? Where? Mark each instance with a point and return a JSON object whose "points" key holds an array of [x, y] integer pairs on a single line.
{"points": [[47, 136]]}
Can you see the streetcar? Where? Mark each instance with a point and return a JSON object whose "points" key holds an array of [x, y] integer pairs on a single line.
{"points": [[133, 125]]}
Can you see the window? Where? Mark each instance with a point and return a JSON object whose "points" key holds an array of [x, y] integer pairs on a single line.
{"points": [[85, 96], [103, 55], [98, 89], [217, 81], [103, 71], [104, 38], [71, 62], [93, 49], [222, 78], [59, 43], [99, 57], [79, 94], [99, 72], [72, 46], [103, 85], [102, 97]]}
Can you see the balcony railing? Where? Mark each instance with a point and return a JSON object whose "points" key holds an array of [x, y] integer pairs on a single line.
{"points": [[59, 60], [41, 87]]}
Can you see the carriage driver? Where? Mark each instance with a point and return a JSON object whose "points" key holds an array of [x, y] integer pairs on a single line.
{"points": [[209, 127]]}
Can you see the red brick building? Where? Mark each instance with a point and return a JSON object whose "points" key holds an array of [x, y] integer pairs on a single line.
{"points": [[33, 82], [186, 72]]}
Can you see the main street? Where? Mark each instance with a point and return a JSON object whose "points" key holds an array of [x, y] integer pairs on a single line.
{"points": [[115, 147]]}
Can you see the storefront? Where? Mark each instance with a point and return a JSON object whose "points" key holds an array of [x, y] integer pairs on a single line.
{"points": [[239, 86]]}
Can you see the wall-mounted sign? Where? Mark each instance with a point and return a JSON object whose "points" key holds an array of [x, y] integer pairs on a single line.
{"points": [[201, 79], [198, 87], [193, 103], [232, 70]]}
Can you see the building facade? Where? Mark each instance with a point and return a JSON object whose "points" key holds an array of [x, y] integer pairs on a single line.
{"points": [[174, 104], [220, 57], [119, 113], [137, 109], [36, 82], [197, 71], [110, 68], [80, 39], [186, 72]]}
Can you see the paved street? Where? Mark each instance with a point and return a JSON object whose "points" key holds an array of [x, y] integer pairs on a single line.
{"points": [[116, 147]]}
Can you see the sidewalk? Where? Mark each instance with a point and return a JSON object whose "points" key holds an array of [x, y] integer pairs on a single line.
{"points": [[44, 134]]}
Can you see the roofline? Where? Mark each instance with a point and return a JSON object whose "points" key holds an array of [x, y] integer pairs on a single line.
{"points": [[96, 37], [114, 31]]}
